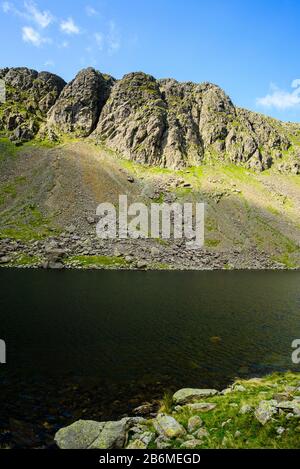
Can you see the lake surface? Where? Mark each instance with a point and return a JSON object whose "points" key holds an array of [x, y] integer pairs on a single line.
{"points": [[96, 344]]}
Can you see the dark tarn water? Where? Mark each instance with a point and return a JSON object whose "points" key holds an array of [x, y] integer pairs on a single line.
{"points": [[97, 344]]}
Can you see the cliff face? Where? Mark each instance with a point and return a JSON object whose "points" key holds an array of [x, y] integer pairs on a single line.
{"points": [[29, 96], [78, 107], [155, 122], [163, 122]]}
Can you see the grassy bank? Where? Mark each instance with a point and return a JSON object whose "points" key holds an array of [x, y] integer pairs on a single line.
{"points": [[234, 422]]}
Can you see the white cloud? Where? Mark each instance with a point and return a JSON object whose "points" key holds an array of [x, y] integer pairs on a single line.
{"points": [[41, 18], [33, 37], [282, 99], [6, 7], [30, 12], [90, 11], [49, 63], [296, 83], [99, 40], [69, 27], [113, 38], [63, 45]]}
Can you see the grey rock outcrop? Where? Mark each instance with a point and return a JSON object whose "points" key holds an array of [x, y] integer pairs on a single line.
{"points": [[172, 124], [29, 96], [189, 395], [265, 411], [155, 122], [78, 108], [88, 434], [168, 427]]}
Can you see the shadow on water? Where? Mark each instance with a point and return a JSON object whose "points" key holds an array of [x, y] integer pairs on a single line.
{"points": [[96, 344]]}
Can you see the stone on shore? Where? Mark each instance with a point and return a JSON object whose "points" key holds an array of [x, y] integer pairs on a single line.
{"points": [[168, 427], [79, 435], [201, 406], [87, 434], [265, 411], [188, 395]]}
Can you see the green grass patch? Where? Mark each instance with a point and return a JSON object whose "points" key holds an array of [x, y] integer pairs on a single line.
{"points": [[211, 243], [24, 260], [287, 260], [97, 261], [160, 266], [26, 223], [229, 428]]}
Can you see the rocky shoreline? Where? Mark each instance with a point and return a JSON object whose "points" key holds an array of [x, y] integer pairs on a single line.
{"points": [[72, 251], [255, 413]]}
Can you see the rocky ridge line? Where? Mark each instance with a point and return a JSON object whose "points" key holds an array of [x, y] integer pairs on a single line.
{"points": [[154, 122]]}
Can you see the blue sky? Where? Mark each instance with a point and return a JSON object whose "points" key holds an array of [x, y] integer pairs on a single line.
{"points": [[249, 48]]}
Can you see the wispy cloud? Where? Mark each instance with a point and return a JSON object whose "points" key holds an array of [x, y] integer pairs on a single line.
{"points": [[6, 7], [91, 11], [33, 37], [36, 20], [41, 18], [281, 99], [99, 38], [31, 13], [63, 45], [49, 63], [68, 26], [113, 38]]}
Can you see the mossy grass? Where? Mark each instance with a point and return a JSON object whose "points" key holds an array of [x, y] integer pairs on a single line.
{"points": [[97, 261], [229, 428], [26, 223], [25, 260]]}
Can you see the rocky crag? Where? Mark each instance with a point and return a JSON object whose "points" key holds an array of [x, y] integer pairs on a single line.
{"points": [[64, 148], [155, 122], [258, 413]]}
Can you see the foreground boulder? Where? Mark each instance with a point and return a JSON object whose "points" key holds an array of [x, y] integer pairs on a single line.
{"points": [[201, 406], [79, 435], [265, 411], [291, 406], [168, 427], [188, 395], [87, 434]]}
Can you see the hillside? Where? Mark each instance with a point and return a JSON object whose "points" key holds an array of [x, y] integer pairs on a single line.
{"points": [[155, 122], [65, 148]]}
